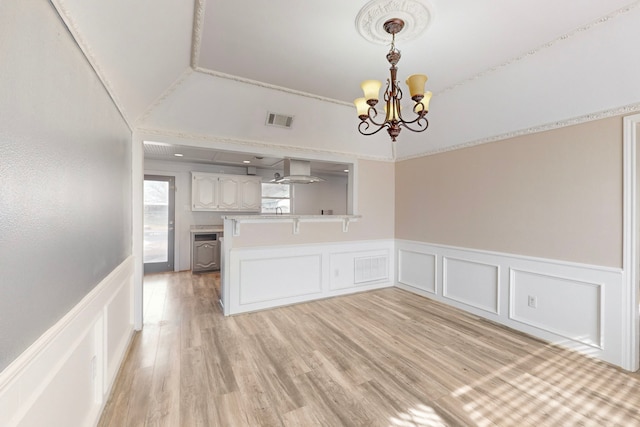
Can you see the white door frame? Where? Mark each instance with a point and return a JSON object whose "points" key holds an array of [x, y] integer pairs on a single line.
{"points": [[137, 204], [629, 304]]}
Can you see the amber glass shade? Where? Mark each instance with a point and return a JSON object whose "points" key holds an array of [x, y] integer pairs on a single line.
{"points": [[371, 89], [416, 84], [362, 107], [425, 102]]}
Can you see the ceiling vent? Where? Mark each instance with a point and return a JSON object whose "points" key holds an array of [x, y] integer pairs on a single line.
{"points": [[279, 120]]}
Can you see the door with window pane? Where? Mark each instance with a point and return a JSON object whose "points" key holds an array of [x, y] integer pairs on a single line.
{"points": [[159, 223]]}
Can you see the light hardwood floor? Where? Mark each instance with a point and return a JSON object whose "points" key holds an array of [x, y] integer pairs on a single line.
{"points": [[380, 358]]}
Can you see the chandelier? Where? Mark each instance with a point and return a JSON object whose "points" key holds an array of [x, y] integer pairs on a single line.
{"points": [[393, 120]]}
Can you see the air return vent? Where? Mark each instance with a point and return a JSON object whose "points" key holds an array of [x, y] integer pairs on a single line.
{"points": [[370, 268], [279, 120]]}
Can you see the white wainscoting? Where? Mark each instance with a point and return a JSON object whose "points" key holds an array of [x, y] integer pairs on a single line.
{"points": [[583, 298], [573, 305], [418, 270], [483, 293], [295, 276], [65, 377], [269, 277]]}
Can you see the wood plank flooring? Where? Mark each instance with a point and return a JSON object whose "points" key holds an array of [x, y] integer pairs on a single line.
{"points": [[380, 358]]}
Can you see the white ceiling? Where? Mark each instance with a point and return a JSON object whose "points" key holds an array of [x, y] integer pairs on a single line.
{"points": [[210, 70]]}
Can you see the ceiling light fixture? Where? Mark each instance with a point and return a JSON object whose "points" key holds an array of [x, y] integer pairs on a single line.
{"points": [[178, 155], [394, 122]]}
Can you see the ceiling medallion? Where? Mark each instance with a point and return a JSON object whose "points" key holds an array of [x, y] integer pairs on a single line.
{"points": [[415, 14]]}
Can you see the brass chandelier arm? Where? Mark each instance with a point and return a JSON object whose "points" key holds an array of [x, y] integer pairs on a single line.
{"points": [[364, 125], [373, 113], [421, 121]]}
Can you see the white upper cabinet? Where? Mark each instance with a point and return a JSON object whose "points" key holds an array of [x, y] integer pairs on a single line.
{"points": [[251, 193], [220, 192], [229, 192], [204, 192]]}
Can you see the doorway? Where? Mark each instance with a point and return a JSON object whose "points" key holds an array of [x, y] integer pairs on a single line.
{"points": [[159, 223]]}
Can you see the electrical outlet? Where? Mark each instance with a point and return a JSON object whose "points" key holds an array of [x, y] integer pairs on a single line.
{"points": [[532, 301], [336, 272]]}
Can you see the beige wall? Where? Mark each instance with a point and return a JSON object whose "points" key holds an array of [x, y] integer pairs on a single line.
{"points": [[554, 194], [375, 202]]}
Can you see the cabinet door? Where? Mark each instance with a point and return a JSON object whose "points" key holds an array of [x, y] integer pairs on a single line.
{"points": [[250, 194], [205, 256], [229, 190], [204, 192]]}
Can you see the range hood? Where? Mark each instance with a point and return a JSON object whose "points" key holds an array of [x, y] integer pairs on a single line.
{"points": [[296, 172]]}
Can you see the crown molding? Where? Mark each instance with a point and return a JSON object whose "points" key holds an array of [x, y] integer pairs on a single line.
{"points": [[627, 109], [253, 144], [164, 95], [272, 87], [196, 36], [63, 12], [529, 53]]}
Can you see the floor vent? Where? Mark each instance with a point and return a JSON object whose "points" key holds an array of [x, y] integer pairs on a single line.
{"points": [[279, 120], [371, 269]]}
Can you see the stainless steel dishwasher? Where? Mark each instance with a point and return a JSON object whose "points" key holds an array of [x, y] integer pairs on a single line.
{"points": [[205, 252]]}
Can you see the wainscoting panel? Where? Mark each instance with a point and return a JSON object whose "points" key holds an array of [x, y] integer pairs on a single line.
{"points": [[472, 283], [569, 304], [542, 300], [417, 270], [118, 318], [65, 377], [266, 277]]}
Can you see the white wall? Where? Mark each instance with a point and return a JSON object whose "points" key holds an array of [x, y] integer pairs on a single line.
{"points": [[65, 168], [65, 226]]}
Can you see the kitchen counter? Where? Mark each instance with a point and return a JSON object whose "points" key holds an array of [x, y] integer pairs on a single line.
{"points": [[295, 219], [207, 228]]}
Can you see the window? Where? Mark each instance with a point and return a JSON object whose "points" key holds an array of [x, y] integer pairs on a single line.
{"points": [[276, 198]]}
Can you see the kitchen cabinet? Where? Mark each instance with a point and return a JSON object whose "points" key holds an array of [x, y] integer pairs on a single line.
{"points": [[251, 191], [205, 252], [227, 193]]}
